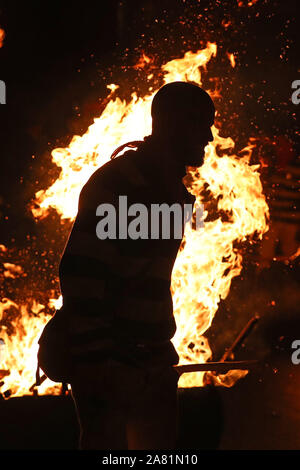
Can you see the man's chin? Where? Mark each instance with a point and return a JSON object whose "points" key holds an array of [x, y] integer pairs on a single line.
{"points": [[196, 161]]}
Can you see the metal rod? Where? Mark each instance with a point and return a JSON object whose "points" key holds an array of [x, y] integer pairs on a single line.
{"points": [[42, 379], [208, 378], [242, 335], [219, 367]]}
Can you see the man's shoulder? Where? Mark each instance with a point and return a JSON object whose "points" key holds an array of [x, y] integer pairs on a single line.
{"points": [[123, 169], [118, 174], [107, 169]]}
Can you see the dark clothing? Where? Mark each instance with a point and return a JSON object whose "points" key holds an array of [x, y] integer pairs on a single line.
{"points": [[123, 407], [116, 293]]}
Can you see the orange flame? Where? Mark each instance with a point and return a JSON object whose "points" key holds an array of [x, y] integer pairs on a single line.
{"points": [[20, 354]]}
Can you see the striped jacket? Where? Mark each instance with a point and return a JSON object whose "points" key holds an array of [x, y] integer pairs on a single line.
{"points": [[116, 292]]}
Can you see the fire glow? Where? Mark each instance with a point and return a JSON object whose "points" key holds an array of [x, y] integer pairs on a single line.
{"points": [[207, 261], [2, 36]]}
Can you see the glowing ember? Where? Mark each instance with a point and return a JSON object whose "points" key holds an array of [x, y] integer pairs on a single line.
{"points": [[12, 270], [247, 4], [231, 58], [2, 36], [205, 266], [143, 61]]}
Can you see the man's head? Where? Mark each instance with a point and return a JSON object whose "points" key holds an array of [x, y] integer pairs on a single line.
{"points": [[182, 116]]}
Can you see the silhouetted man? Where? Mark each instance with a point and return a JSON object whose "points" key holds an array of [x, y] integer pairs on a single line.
{"points": [[116, 289]]}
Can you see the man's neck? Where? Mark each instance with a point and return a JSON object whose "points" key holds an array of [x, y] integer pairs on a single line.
{"points": [[166, 154]]}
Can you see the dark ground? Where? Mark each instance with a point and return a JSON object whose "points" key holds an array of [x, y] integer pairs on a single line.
{"points": [[260, 412], [253, 415]]}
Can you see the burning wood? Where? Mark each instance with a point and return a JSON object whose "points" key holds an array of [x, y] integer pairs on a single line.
{"points": [[4, 373]]}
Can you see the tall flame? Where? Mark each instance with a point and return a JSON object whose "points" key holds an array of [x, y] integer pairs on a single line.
{"points": [[207, 261]]}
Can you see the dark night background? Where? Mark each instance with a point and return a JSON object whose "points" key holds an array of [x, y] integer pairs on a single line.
{"points": [[56, 60]]}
